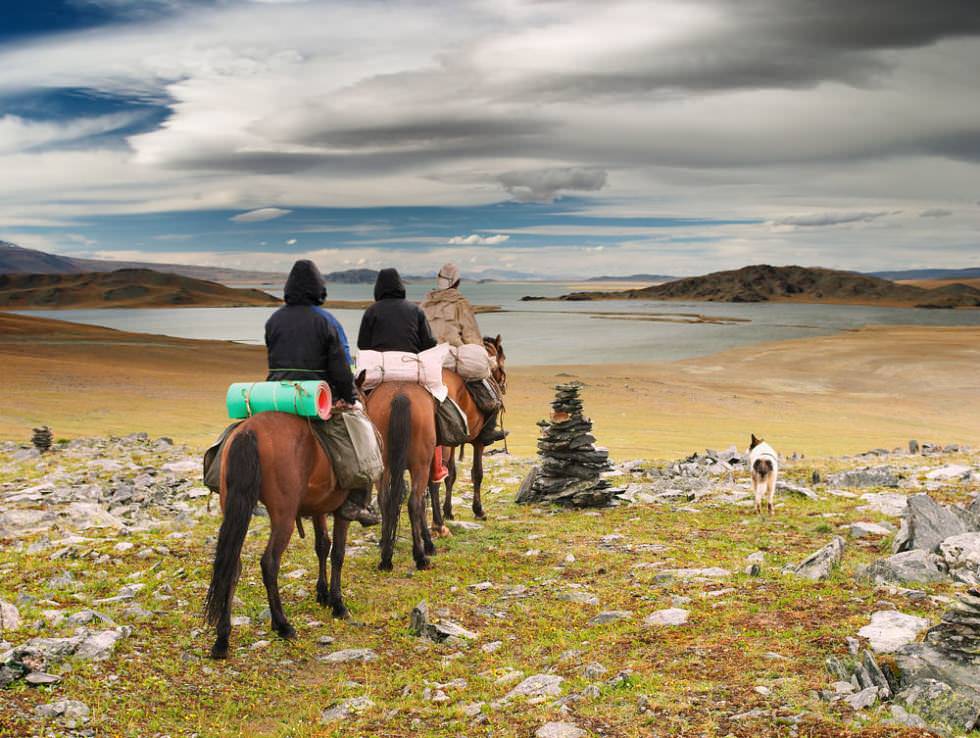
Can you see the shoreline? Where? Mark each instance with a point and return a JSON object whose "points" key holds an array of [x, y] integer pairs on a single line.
{"points": [[821, 396]]}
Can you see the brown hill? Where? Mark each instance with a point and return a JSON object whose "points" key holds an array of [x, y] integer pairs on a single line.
{"points": [[764, 283], [134, 288]]}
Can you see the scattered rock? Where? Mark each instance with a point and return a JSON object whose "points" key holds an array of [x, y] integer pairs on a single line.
{"points": [[348, 655], [865, 529], [69, 713], [610, 616], [903, 568], [876, 476], [538, 685], [958, 633], [889, 630], [9, 617], [927, 524], [950, 471], [438, 631], [670, 616], [862, 700], [559, 730], [962, 556], [346, 709], [821, 563], [892, 504], [940, 706]]}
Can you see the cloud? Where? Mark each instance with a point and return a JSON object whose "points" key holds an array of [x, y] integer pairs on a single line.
{"points": [[257, 216], [544, 185], [830, 219], [22, 134], [290, 242], [935, 213], [475, 239]]}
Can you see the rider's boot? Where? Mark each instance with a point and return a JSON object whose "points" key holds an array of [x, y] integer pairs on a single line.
{"points": [[357, 507], [439, 470], [490, 434]]}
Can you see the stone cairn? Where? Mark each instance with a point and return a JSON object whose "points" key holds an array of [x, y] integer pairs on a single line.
{"points": [[42, 438], [958, 634], [571, 465]]}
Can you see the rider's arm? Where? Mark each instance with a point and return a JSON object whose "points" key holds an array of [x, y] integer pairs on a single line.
{"points": [[468, 328], [338, 369], [365, 334], [426, 339]]}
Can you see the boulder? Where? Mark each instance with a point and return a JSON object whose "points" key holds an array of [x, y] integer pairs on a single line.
{"points": [[962, 555], [9, 617], [538, 685], [958, 633], [889, 630], [950, 471], [873, 476], [866, 529], [927, 524], [610, 616], [820, 564], [670, 616], [904, 568], [69, 713], [940, 706], [892, 504], [346, 709], [349, 654]]}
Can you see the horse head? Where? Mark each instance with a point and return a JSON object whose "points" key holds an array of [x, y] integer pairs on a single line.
{"points": [[495, 349]]}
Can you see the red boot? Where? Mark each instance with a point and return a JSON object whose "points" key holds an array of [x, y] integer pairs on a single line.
{"points": [[439, 470]]}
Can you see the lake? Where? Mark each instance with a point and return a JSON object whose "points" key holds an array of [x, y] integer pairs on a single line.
{"points": [[554, 333]]}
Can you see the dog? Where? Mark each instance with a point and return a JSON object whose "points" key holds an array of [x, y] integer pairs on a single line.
{"points": [[764, 464]]}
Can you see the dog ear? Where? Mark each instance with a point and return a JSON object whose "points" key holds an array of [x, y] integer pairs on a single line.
{"points": [[754, 442]]}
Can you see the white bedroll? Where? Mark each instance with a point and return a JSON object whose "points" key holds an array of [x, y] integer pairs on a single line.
{"points": [[400, 366], [470, 361]]}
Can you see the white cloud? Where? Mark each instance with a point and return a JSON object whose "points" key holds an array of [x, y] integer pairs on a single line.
{"points": [[256, 216], [290, 242], [474, 239]]}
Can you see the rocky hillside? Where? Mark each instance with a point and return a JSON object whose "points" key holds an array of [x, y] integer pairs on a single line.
{"points": [[677, 608], [121, 288], [764, 283]]}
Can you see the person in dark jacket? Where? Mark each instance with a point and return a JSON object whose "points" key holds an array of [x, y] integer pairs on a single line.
{"points": [[305, 342], [393, 323]]}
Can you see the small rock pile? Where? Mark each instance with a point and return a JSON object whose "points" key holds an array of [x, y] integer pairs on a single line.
{"points": [[42, 438], [571, 465], [958, 634]]}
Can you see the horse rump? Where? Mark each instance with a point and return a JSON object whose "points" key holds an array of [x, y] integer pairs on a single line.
{"points": [[762, 468]]}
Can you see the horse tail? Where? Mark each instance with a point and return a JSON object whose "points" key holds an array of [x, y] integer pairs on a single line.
{"points": [[393, 490], [244, 483]]}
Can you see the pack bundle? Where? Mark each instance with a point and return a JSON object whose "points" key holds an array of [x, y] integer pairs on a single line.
{"points": [[401, 366], [470, 361], [309, 399]]}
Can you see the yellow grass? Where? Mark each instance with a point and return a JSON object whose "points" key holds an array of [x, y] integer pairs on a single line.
{"points": [[817, 396]]}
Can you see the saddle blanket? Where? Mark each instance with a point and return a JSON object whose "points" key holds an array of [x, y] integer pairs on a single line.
{"points": [[400, 366]]}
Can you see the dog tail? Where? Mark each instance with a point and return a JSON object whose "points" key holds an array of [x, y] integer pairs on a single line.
{"points": [[762, 468]]}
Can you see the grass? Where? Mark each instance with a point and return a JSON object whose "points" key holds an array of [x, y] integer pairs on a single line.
{"points": [[685, 681]]}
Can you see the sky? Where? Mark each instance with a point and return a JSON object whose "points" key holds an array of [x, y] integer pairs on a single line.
{"points": [[549, 137]]}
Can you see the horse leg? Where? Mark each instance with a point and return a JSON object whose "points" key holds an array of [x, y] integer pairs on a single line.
{"points": [[282, 530], [477, 474], [437, 521], [416, 514], [321, 545], [447, 505], [427, 545], [337, 553]]}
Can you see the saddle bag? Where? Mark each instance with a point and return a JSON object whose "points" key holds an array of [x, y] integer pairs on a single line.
{"points": [[470, 361], [485, 394], [354, 447], [452, 427]]}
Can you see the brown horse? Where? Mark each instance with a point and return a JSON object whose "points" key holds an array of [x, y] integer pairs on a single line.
{"points": [[405, 415], [476, 420], [274, 458]]}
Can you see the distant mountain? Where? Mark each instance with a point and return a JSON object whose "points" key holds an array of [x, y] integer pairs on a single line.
{"points": [[352, 276], [945, 274], [134, 288], [633, 278], [18, 260], [764, 283]]}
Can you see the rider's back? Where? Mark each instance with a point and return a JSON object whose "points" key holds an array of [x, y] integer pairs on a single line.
{"points": [[451, 317]]}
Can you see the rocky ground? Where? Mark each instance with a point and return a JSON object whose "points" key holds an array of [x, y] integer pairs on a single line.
{"points": [[675, 613]]}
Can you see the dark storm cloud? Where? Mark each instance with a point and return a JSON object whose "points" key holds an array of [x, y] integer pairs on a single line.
{"points": [[435, 132]]}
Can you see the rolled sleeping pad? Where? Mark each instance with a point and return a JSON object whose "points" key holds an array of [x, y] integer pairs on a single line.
{"points": [[310, 399]]}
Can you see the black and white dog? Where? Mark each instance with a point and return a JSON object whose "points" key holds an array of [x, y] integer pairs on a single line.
{"points": [[764, 464]]}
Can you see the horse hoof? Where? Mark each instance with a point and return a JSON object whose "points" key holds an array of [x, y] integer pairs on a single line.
{"points": [[341, 612], [448, 515], [385, 566], [423, 563], [322, 598], [479, 514], [286, 631], [430, 549], [219, 652]]}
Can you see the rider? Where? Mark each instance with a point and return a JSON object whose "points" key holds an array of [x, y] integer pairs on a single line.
{"points": [[306, 342], [453, 321], [393, 323]]}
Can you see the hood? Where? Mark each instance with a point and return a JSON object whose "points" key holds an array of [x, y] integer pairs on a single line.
{"points": [[305, 284], [389, 285]]}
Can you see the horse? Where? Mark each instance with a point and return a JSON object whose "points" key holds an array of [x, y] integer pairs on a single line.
{"points": [[405, 415], [274, 458], [476, 420]]}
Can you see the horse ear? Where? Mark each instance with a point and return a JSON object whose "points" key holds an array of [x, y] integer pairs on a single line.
{"points": [[755, 441], [359, 380], [497, 340]]}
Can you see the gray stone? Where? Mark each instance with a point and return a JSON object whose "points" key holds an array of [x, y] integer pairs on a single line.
{"points": [[99, 646], [594, 671], [927, 524], [864, 699], [538, 685], [670, 616], [69, 713], [9, 617], [821, 563], [610, 616], [958, 633], [903, 568], [901, 716], [559, 730], [438, 631], [877, 476], [346, 709], [962, 555], [893, 504], [889, 630], [41, 679], [950, 471], [579, 597], [866, 529], [349, 654], [940, 706]]}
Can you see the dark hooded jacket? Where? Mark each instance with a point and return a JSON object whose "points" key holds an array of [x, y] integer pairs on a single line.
{"points": [[304, 341], [393, 323]]}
